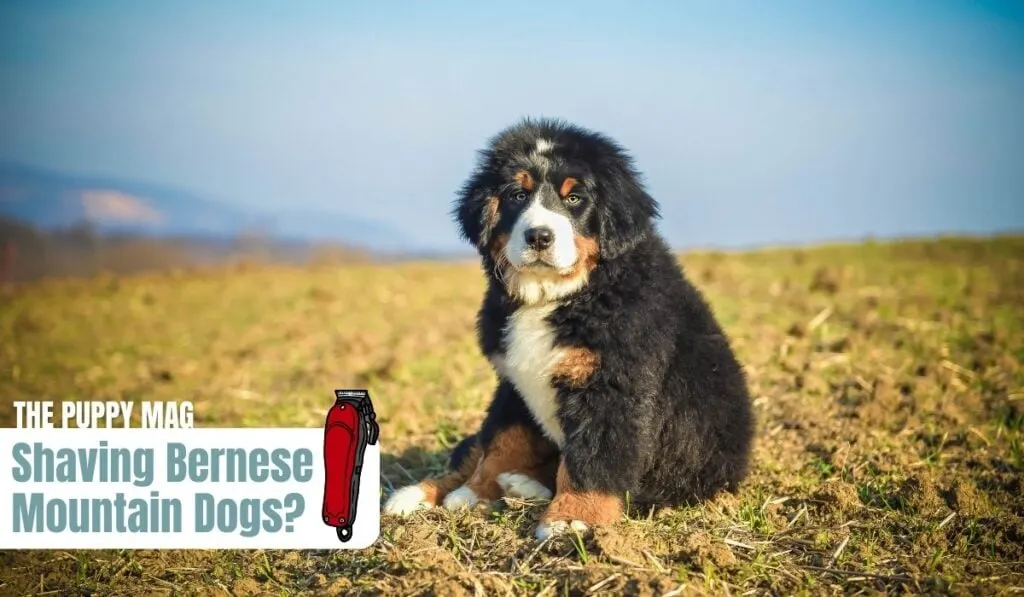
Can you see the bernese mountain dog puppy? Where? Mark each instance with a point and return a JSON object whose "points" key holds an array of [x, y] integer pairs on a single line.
{"points": [[615, 381]]}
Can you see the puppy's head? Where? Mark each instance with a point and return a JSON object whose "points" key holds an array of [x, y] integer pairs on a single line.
{"points": [[547, 203]]}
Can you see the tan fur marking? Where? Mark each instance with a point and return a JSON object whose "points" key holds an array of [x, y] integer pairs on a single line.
{"points": [[577, 365], [525, 180], [567, 186], [435, 490], [587, 253], [498, 246], [513, 450], [590, 507], [490, 217]]}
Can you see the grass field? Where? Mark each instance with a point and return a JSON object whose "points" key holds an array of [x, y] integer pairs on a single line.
{"points": [[888, 383]]}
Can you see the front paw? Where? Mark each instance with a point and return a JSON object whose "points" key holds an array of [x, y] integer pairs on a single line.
{"points": [[516, 485], [552, 528], [575, 510], [463, 497], [407, 500]]}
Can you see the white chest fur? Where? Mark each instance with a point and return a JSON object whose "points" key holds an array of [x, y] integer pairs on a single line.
{"points": [[530, 357]]}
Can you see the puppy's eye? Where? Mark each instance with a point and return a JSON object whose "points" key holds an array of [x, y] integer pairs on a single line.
{"points": [[519, 197], [573, 199]]}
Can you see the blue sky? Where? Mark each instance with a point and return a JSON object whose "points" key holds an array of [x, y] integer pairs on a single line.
{"points": [[753, 122]]}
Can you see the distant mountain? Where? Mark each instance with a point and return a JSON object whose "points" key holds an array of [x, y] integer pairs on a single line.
{"points": [[50, 200]]}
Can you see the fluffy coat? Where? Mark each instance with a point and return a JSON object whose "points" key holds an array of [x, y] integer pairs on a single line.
{"points": [[614, 376]]}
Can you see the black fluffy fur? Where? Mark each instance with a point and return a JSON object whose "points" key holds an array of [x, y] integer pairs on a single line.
{"points": [[666, 416]]}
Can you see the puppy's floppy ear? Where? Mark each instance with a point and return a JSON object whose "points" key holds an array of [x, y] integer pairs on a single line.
{"points": [[627, 212], [476, 204]]}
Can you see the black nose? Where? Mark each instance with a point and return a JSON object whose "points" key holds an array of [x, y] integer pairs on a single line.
{"points": [[540, 238]]}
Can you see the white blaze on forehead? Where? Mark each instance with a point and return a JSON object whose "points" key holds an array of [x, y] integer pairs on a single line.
{"points": [[562, 252], [538, 157]]}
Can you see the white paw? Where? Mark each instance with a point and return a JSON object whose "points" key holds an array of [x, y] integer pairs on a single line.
{"points": [[546, 530], [522, 486], [407, 500], [462, 497]]}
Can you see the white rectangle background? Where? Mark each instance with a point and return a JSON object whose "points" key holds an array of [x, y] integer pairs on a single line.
{"points": [[309, 530]]}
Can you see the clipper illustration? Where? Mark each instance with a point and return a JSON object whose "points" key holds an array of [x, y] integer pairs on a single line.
{"points": [[351, 425]]}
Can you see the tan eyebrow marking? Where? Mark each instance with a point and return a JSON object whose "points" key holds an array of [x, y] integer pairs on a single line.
{"points": [[524, 179], [567, 186]]}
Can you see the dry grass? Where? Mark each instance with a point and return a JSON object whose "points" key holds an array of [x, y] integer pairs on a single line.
{"points": [[889, 387]]}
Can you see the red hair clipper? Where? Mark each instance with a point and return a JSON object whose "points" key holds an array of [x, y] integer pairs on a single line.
{"points": [[351, 425]]}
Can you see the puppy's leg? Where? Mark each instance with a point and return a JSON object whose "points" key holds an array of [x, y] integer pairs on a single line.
{"points": [[517, 462], [516, 458], [609, 424], [431, 492], [509, 456], [575, 508]]}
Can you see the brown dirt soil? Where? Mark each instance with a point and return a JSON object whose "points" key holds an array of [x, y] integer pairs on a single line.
{"points": [[888, 381]]}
